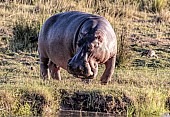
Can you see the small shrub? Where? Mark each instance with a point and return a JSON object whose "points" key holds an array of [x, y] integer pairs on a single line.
{"points": [[123, 53], [34, 101], [28, 103], [22, 109], [22, 32]]}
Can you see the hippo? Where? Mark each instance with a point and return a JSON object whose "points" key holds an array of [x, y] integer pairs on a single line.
{"points": [[77, 42]]}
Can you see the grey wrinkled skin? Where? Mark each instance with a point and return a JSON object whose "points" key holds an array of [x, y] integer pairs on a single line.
{"points": [[77, 42]]}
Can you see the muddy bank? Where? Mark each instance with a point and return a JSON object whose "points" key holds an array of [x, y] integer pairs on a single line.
{"points": [[94, 101]]}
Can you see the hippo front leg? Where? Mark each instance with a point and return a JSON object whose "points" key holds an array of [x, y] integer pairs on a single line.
{"points": [[109, 70], [54, 71]]}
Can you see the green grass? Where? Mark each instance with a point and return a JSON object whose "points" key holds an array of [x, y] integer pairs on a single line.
{"points": [[148, 89], [140, 85]]}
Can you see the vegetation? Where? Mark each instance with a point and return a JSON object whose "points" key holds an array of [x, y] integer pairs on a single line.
{"points": [[140, 85]]}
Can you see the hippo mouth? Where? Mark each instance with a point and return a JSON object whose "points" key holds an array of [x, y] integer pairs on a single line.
{"points": [[83, 71], [83, 76], [82, 64]]}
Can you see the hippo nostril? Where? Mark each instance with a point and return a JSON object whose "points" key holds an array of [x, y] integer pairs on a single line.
{"points": [[95, 65]]}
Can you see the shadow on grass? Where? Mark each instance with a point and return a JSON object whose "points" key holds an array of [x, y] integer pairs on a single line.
{"points": [[150, 63], [138, 49], [164, 50], [139, 63]]}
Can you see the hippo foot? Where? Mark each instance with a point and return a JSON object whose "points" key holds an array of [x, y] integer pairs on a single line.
{"points": [[105, 82]]}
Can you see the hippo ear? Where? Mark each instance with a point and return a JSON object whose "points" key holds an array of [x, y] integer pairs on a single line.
{"points": [[99, 35]]}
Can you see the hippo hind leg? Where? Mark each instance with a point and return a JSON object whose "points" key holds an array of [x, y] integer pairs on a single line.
{"points": [[44, 67], [54, 71]]}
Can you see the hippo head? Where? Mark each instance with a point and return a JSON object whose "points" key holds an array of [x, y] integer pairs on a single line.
{"points": [[91, 50]]}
